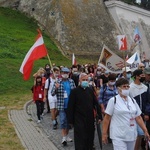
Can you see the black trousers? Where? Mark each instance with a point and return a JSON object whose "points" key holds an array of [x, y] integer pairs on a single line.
{"points": [[40, 108], [47, 102]]}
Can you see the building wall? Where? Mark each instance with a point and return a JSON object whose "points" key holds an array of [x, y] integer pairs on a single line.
{"points": [[127, 17]]}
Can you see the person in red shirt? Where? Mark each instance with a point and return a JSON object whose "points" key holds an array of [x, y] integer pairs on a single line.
{"points": [[38, 95]]}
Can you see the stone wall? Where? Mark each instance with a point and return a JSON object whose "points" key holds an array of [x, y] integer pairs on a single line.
{"points": [[79, 26]]}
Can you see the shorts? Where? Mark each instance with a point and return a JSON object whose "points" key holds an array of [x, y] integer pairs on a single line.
{"points": [[63, 120], [139, 130], [123, 145], [53, 105]]}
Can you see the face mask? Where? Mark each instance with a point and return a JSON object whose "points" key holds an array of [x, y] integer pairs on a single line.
{"points": [[125, 92], [128, 75], [98, 72], [142, 79], [75, 73], [89, 78], [84, 84], [47, 69], [111, 83], [65, 76], [56, 75]]}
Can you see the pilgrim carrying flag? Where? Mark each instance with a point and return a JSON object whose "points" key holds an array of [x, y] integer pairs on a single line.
{"points": [[122, 42], [73, 59], [37, 51]]}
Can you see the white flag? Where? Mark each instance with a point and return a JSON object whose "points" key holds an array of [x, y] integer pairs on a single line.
{"points": [[134, 61]]}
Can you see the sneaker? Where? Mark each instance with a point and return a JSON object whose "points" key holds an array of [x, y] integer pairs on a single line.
{"points": [[64, 142], [109, 140], [69, 139], [38, 121], [54, 126], [56, 122], [41, 117]]}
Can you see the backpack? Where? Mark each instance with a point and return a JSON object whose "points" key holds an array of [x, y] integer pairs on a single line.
{"points": [[116, 99], [49, 81], [104, 90]]}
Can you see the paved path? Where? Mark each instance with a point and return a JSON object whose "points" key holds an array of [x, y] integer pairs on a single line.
{"points": [[41, 136], [55, 135], [31, 136]]}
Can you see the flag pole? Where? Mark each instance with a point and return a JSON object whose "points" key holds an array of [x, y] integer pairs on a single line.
{"points": [[124, 63], [49, 61]]}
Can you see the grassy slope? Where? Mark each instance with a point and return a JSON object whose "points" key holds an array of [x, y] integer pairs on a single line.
{"points": [[17, 34]]}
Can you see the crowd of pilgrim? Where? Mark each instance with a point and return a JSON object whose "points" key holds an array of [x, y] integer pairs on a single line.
{"points": [[80, 94]]}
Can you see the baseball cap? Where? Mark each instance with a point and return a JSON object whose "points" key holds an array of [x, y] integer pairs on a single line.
{"points": [[147, 70], [137, 72], [65, 69]]}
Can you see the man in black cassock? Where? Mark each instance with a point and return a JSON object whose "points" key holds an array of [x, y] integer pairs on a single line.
{"points": [[80, 114]]}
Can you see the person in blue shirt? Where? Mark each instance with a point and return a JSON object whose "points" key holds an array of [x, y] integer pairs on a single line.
{"points": [[107, 91]]}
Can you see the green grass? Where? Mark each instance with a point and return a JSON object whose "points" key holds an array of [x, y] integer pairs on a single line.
{"points": [[17, 34]]}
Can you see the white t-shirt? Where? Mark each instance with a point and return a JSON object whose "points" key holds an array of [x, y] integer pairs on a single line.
{"points": [[50, 97], [122, 112], [136, 89]]}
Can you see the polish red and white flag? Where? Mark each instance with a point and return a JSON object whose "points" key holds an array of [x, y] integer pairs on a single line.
{"points": [[122, 42], [74, 62], [37, 51]]}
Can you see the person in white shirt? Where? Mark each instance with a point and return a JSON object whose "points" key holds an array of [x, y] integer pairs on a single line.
{"points": [[122, 113], [52, 99], [139, 92]]}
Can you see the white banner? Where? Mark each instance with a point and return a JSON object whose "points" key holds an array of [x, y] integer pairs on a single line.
{"points": [[110, 61], [113, 63]]}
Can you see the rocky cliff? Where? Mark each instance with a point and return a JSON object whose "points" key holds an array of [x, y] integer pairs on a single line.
{"points": [[79, 26]]}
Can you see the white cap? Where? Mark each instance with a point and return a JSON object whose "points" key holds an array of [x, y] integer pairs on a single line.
{"points": [[82, 75], [127, 69]]}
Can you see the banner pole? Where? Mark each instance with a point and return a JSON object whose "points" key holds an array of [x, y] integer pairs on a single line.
{"points": [[124, 63]]}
